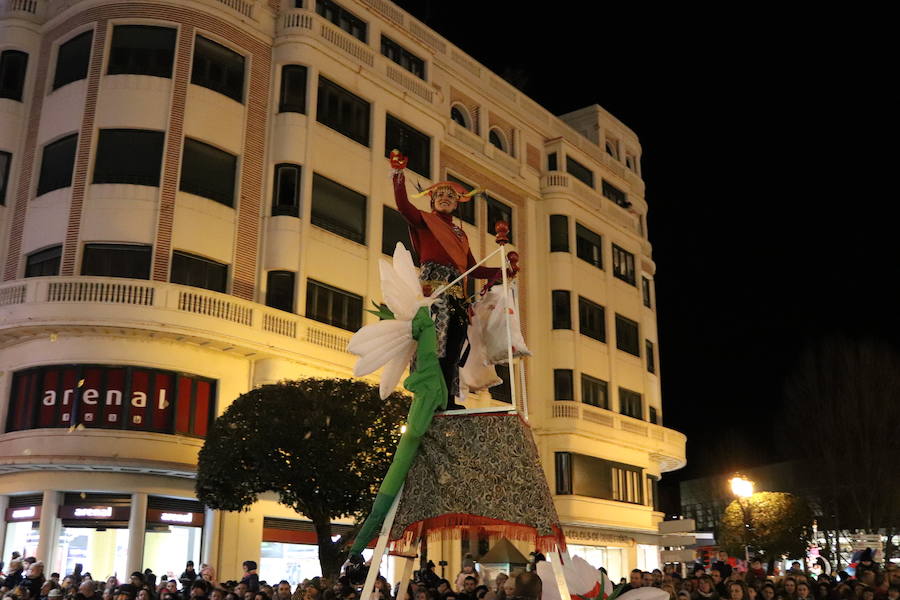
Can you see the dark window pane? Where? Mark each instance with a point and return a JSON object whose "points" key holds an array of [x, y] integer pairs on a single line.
{"points": [[496, 140], [412, 143], [551, 162], [651, 356], [333, 306], [343, 18], [57, 163], [280, 290], [5, 168], [394, 229], [293, 89], [403, 57], [579, 171], [343, 111], [654, 488], [591, 319], [502, 391], [563, 472], [654, 416], [588, 246], [338, 209], [646, 293], [630, 404], [13, 66], [218, 68], [591, 477], [458, 117], [207, 171], [627, 336], [615, 194], [129, 156], [286, 200], [623, 265], [464, 210], [498, 211], [563, 385], [142, 50], [559, 233], [188, 269], [72, 59], [594, 391], [44, 262], [116, 260], [562, 309]]}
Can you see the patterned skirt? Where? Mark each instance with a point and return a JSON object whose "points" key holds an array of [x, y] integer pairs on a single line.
{"points": [[448, 312]]}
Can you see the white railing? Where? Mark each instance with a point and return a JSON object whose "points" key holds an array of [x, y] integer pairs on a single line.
{"points": [[327, 339], [387, 9], [410, 83], [100, 292], [296, 20], [14, 294], [32, 10], [281, 325], [565, 410], [469, 138], [204, 304], [347, 43], [241, 6], [606, 418]]}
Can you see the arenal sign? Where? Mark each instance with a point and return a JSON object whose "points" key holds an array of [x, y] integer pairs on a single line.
{"points": [[111, 397]]}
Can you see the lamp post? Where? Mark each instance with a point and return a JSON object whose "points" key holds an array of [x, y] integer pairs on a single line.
{"points": [[742, 488]]}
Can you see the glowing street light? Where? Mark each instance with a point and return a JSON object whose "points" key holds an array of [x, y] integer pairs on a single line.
{"points": [[741, 486]]}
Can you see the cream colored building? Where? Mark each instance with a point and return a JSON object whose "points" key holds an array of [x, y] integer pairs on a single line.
{"points": [[174, 173]]}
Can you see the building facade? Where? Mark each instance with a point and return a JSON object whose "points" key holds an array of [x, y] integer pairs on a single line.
{"points": [[194, 198]]}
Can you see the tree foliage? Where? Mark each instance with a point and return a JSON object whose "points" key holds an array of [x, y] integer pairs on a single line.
{"points": [[770, 523], [322, 445]]}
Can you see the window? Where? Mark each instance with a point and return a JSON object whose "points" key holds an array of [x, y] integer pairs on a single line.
{"points": [[286, 193], [654, 416], [588, 246], [559, 233], [612, 148], [344, 112], [293, 89], [579, 171], [627, 484], [497, 139], [563, 465], [403, 57], [563, 385], [5, 168], [594, 391], [142, 50], [631, 162], [502, 391], [615, 194], [623, 265], [645, 292], [72, 59], [218, 68], [131, 156], [631, 404], [333, 306], [394, 229], [498, 211], [627, 336], [412, 143], [57, 163], [189, 269], [338, 209], [464, 210], [597, 478], [116, 260], [207, 171], [591, 319], [13, 66], [562, 309], [343, 18], [651, 356], [459, 115], [43, 263], [280, 290], [653, 491], [551, 162]]}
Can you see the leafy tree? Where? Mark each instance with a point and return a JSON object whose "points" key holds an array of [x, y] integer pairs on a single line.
{"points": [[323, 445], [770, 523]]}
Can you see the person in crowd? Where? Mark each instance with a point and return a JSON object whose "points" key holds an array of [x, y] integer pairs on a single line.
{"points": [[719, 582], [723, 565], [669, 589], [188, 576], [34, 579], [706, 589], [737, 590], [635, 580], [87, 590], [788, 588], [468, 570], [251, 578], [646, 579], [14, 574], [468, 588]]}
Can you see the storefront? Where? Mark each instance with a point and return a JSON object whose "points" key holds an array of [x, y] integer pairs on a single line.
{"points": [[23, 516], [174, 534]]}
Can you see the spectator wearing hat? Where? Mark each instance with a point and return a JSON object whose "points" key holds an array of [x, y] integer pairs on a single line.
{"points": [[251, 578], [34, 579], [15, 574], [54, 594]]}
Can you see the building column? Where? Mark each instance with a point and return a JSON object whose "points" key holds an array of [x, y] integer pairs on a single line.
{"points": [[4, 504], [209, 553], [47, 533], [137, 526]]}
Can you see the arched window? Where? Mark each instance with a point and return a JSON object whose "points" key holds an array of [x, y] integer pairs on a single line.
{"points": [[497, 139], [459, 115]]}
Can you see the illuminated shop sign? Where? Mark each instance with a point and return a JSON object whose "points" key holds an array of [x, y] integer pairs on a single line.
{"points": [[111, 397], [25, 513], [95, 513], [169, 517]]}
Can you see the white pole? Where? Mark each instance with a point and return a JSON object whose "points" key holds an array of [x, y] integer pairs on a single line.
{"points": [[521, 361], [509, 351], [380, 547]]}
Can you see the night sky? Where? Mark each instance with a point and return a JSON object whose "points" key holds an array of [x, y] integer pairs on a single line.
{"points": [[772, 217]]}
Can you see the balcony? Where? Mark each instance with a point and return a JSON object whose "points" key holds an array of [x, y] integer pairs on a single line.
{"points": [[50, 304], [560, 182], [666, 446]]}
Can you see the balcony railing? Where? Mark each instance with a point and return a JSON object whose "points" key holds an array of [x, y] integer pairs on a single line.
{"points": [[31, 301], [559, 181]]}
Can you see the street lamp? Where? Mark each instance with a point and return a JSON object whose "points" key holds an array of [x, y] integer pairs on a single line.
{"points": [[742, 488]]}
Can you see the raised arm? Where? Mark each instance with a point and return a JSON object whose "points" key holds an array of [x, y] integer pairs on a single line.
{"points": [[412, 214]]}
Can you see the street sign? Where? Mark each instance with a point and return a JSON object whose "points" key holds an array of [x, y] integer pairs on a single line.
{"points": [[677, 526], [682, 556], [677, 540]]}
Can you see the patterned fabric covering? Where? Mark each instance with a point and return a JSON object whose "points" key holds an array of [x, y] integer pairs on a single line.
{"points": [[446, 312], [478, 471]]}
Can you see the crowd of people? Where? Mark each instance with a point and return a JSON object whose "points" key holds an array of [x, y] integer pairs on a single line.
{"points": [[24, 579]]}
